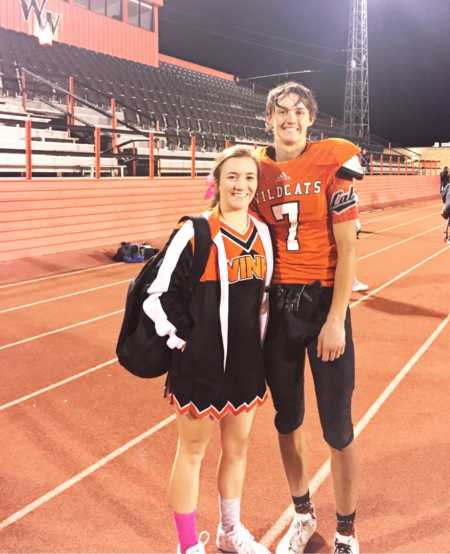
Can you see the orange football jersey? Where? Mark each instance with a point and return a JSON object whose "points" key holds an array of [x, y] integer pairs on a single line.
{"points": [[300, 200]]}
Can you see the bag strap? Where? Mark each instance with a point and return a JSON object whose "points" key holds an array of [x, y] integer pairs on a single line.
{"points": [[202, 246]]}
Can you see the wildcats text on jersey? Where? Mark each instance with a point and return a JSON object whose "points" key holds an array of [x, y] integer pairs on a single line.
{"points": [[279, 191]]}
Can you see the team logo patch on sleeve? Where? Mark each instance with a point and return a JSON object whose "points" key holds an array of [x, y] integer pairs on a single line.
{"points": [[341, 201]]}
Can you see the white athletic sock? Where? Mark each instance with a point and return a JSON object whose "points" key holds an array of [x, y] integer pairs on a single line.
{"points": [[230, 512]]}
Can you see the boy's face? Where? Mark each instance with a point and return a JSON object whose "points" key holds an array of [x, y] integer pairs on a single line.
{"points": [[290, 120]]}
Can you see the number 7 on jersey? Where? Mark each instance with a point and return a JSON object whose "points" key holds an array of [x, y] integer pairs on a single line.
{"points": [[291, 210]]}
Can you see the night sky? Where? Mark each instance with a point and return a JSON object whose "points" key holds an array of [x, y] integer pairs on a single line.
{"points": [[409, 54]]}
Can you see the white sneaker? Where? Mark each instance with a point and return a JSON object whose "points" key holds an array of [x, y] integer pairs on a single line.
{"points": [[358, 286], [198, 548], [346, 544], [239, 540], [297, 536]]}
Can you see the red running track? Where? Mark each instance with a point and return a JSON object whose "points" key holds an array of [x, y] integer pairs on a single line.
{"points": [[87, 448]]}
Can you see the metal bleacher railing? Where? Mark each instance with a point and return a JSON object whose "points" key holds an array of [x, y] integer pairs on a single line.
{"points": [[141, 120], [143, 147]]}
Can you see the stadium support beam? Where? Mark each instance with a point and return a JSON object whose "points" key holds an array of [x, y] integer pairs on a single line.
{"points": [[356, 105]]}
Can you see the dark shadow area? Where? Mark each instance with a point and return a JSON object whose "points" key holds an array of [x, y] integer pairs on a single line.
{"points": [[316, 544], [397, 307]]}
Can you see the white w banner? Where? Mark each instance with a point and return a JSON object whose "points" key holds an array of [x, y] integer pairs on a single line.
{"points": [[44, 23]]}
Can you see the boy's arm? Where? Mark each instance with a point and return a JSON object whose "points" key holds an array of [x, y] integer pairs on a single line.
{"points": [[331, 343]]}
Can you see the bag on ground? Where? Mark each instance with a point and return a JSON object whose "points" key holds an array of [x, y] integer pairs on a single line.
{"points": [[131, 253]]}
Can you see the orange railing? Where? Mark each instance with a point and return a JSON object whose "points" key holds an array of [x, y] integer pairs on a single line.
{"points": [[96, 165], [382, 164], [394, 164]]}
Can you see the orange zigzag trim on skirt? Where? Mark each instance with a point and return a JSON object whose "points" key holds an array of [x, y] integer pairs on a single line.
{"points": [[213, 412]]}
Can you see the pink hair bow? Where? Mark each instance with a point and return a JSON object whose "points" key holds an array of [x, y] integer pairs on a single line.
{"points": [[211, 190]]}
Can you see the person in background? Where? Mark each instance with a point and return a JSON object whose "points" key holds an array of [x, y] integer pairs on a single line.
{"points": [[307, 197], [217, 374], [445, 178], [445, 195], [365, 159]]}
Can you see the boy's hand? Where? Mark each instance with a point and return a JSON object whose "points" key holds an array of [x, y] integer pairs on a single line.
{"points": [[331, 342]]}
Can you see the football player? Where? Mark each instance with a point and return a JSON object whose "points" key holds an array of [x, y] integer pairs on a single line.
{"points": [[306, 194]]}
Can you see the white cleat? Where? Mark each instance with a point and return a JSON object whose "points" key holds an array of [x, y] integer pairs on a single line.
{"points": [[358, 286], [346, 544], [297, 536], [239, 541]]}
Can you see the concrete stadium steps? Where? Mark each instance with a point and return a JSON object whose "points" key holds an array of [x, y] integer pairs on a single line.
{"points": [[50, 216]]}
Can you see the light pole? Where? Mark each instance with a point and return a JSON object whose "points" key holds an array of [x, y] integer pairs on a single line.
{"points": [[356, 104]]}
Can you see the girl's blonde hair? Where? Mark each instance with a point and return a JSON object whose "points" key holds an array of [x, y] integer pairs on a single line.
{"points": [[236, 151]]}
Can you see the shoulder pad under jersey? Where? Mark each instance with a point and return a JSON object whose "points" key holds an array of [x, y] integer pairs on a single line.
{"points": [[343, 154], [351, 169]]}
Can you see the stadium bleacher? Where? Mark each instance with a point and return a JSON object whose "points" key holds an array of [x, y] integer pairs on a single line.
{"points": [[159, 111], [175, 102]]}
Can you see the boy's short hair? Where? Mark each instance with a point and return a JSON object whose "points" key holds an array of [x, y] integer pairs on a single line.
{"points": [[291, 87]]}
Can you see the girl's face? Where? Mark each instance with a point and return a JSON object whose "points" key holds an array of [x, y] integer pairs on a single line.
{"points": [[237, 184]]}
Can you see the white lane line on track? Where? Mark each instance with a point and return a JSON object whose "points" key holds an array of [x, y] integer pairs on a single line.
{"points": [[398, 277], [68, 274], [285, 517], [60, 330], [318, 478], [116, 283], [390, 216], [84, 291], [62, 297], [398, 243], [83, 474], [352, 305], [381, 231], [87, 321], [105, 266], [324, 471], [56, 385]]}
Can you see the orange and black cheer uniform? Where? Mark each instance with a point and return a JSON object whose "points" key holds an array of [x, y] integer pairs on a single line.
{"points": [[301, 200], [217, 339]]}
